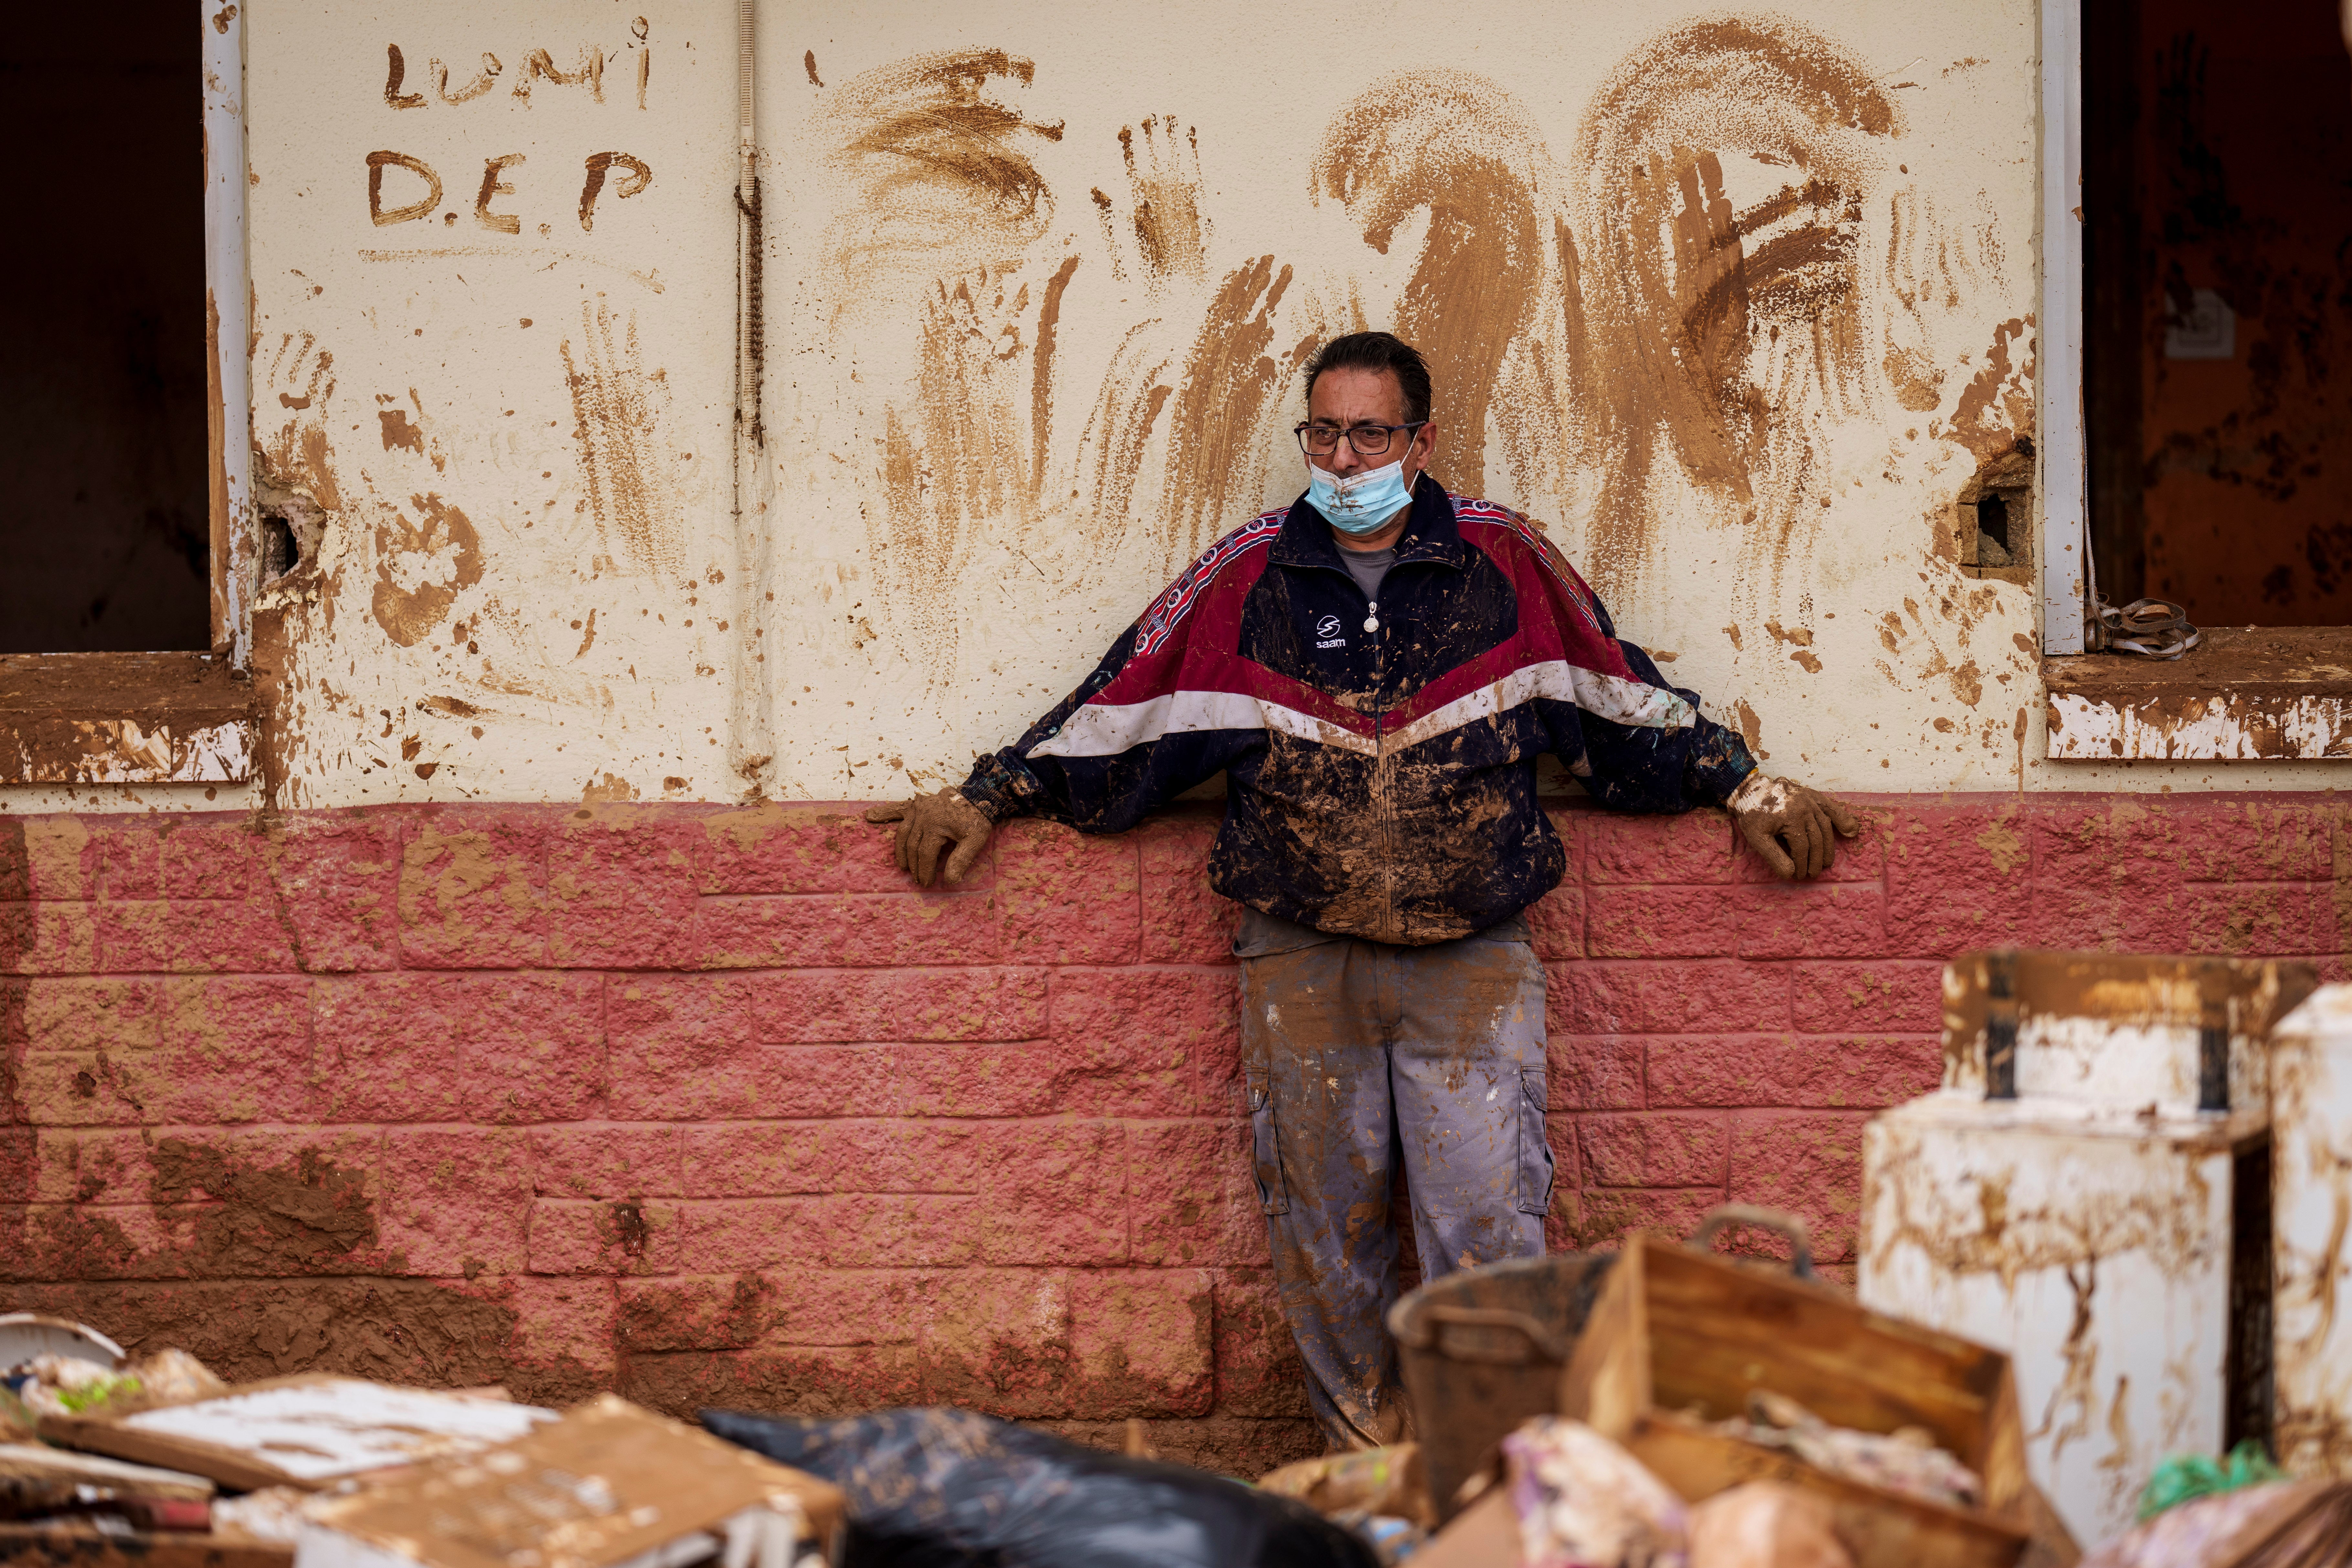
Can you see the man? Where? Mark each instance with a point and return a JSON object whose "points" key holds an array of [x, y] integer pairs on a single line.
{"points": [[1376, 668]]}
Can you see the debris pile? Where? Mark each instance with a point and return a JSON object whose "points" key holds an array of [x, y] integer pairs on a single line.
{"points": [[1905, 1460], [162, 1462]]}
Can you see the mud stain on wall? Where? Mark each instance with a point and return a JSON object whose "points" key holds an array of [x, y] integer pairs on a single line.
{"points": [[421, 567], [630, 471], [1134, 394], [307, 1212], [300, 380], [1997, 405], [1041, 393], [1935, 262], [1725, 322], [1459, 148], [1170, 233], [1216, 465], [1699, 318], [934, 150], [956, 460], [399, 432]]}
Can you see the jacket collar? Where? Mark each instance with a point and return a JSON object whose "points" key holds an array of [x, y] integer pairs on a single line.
{"points": [[1430, 534]]}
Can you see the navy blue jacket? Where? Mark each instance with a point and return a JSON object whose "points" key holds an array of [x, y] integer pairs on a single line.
{"points": [[1380, 782]]}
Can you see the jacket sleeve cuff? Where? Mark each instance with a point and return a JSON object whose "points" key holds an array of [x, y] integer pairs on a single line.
{"points": [[1719, 764], [1000, 790]]}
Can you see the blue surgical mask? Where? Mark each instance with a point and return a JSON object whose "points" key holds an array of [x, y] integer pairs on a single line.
{"points": [[1361, 503]]}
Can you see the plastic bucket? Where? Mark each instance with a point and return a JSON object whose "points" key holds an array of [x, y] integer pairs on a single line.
{"points": [[1481, 1351]]}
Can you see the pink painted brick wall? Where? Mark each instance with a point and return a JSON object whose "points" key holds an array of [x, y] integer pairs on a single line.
{"points": [[712, 1106]]}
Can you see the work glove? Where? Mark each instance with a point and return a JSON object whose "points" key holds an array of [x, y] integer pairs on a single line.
{"points": [[929, 824], [1774, 812]]}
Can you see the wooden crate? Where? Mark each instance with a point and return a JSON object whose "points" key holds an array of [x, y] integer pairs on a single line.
{"points": [[1680, 1337]]}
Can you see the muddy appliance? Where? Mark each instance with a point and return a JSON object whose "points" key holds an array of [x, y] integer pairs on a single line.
{"points": [[2089, 1190], [2310, 1255]]}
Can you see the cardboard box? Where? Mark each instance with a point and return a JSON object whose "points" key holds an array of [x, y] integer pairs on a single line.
{"points": [[1484, 1535], [307, 1431], [608, 1486]]}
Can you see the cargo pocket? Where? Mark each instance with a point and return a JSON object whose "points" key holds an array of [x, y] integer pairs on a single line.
{"points": [[1266, 1147], [1534, 1152]]}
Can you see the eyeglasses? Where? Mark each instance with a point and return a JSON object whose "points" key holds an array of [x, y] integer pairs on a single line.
{"points": [[1369, 440]]}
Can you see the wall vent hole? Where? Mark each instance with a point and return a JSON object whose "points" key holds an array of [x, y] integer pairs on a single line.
{"points": [[1992, 531], [1995, 515], [280, 550]]}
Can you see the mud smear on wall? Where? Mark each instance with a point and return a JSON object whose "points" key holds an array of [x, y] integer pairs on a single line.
{"points": [[305, 1214], [1135, 391], [928, 252], [1935, 261], [1688, 304], [1170, 233], [1725, 313], [1997, 407], [1216, 464], [934, 150], [301, 382], [399, 432], [421, 567], [618, 406], [1041, 395], [958, 459], [1457, 147]]}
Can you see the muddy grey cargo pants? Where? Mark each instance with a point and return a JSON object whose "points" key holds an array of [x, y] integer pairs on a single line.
{"points": [[1357, 1054]]}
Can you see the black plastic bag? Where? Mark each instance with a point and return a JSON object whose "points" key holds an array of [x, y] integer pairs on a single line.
{"points": [[951, 1488]]}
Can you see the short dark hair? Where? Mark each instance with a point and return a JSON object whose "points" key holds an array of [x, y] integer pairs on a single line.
{"points": [[1378, 351]]}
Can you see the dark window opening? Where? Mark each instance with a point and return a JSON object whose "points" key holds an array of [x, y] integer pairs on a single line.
{"points": [[2217, 176], [104, 508]]}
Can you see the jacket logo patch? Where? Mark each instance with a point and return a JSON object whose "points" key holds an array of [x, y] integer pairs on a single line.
{"points": [[1326, 633]]}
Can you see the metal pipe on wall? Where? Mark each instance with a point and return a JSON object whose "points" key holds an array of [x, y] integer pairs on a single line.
{"points": [[750, 743]]}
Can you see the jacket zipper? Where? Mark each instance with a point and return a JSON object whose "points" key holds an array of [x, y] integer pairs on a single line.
{"points": [[1382, 816]]}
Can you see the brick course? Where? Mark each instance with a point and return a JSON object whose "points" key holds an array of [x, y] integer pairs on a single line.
{"points": [[712, 1106]]}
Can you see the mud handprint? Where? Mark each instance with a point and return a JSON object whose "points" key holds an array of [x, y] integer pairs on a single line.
{"points": [[297, 383], [1163, 178], [959, 457], [1934, 260]]}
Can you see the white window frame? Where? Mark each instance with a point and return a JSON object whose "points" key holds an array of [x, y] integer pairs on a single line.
{"points": [[2065, 486], [228, 319]]}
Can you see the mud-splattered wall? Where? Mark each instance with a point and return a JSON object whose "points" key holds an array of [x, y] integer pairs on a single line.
{"points": [[1736, 305], [494, 280], [1739, 304]]}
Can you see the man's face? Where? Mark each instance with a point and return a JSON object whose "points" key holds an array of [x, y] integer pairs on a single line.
{"points": [[1349, 396]]}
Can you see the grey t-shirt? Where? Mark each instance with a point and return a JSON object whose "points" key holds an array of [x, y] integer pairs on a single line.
{"points": [[1368, 567]]}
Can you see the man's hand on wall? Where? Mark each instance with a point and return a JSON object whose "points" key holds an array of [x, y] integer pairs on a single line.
{"points": [[1772, 813], [929, 824]]}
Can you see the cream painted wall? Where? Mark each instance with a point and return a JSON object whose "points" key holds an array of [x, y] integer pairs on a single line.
{"points": [[1037, 281], [974, 293], [520, 429]]}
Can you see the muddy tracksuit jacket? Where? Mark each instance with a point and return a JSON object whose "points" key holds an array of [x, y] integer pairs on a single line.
{"points": [[1381, 778]]}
